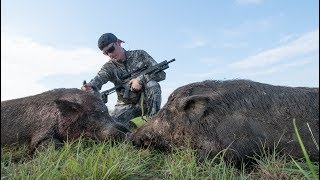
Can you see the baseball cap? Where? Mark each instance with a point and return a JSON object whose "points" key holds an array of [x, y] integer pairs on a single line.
{"points": [[105, 39]]}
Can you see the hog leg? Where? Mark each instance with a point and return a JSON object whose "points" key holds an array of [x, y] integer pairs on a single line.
{"points": [[43, 139]]}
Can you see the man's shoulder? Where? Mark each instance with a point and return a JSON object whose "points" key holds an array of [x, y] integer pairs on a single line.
{"points": [[135, 53], [108, 64]]}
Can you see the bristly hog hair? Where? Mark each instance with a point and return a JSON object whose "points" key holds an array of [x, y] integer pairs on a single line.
{"points": [[241, 115], [57, 115]]}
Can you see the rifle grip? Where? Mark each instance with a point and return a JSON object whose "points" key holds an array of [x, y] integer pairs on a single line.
{"points": [[104, 97]]}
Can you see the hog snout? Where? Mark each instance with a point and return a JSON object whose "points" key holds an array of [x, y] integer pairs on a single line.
{"points": [[114, 133], [139, 140]]}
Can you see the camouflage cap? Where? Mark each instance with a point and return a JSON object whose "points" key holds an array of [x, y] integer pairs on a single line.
{"points": [[105, 39]]}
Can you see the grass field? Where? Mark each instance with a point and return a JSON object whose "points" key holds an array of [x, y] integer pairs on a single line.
{"points": [[84, 159]]}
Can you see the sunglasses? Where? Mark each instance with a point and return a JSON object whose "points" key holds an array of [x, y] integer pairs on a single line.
{"points": [[110, 50]]}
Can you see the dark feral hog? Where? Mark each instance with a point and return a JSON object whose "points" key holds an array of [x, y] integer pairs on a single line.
{"points": [[57, 115], [239, 114]]}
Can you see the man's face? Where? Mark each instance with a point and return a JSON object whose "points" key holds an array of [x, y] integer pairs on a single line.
{"points": [[113, 50]]}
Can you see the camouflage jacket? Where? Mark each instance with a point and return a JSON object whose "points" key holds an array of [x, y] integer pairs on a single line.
{"points": [[113, 71]]}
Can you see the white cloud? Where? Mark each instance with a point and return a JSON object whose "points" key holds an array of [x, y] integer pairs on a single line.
{"points": [[298, 57], [24, 62], [280, 68], [307, 43], [286, 38]]}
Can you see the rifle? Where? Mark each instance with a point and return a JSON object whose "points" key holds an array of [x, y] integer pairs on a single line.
{"points": [[126, 78]]}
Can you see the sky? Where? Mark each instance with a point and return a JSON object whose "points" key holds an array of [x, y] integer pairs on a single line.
{"points": [[53, 44]]}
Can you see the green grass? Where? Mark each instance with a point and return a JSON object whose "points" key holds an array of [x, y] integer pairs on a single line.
{"points": [[309, 163], [85, 159], [139, 121]]}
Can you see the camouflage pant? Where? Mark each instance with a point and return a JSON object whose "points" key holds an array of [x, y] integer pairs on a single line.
{"points": [[123, 113]]}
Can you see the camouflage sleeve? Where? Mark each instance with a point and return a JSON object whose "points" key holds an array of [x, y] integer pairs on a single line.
{"points": [[149, 61], [102, 77]]}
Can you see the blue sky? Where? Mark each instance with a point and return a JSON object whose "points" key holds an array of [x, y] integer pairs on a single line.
{"points": [[53, 44]]}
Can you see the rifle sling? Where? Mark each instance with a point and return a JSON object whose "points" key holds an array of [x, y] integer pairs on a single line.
{"points": [[142, 107]]}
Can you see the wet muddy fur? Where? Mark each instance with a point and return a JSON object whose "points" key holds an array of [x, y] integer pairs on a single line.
{"points": [[241, 115], [56, 116]]}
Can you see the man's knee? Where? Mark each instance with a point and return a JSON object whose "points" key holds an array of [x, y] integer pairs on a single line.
{"points": [[153, 97], [123, 114]]}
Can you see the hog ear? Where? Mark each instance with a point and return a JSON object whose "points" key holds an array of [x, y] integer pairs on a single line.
{"points": [[69, 115], [67, 107], [194, 106]]}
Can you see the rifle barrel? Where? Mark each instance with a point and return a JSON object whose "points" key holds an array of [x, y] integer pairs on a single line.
{"points": [[171, 60]]}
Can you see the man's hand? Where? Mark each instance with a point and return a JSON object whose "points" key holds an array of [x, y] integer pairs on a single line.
{"points": [[87, 87], [135, 84]]}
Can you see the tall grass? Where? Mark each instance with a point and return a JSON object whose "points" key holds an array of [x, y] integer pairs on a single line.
{"points": [[310, 165], [89, 160], [80, 159], [85, 159], [106, 160]]}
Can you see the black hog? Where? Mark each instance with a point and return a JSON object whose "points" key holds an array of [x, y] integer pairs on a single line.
{"points": [[57, 116], [241, 116]]}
